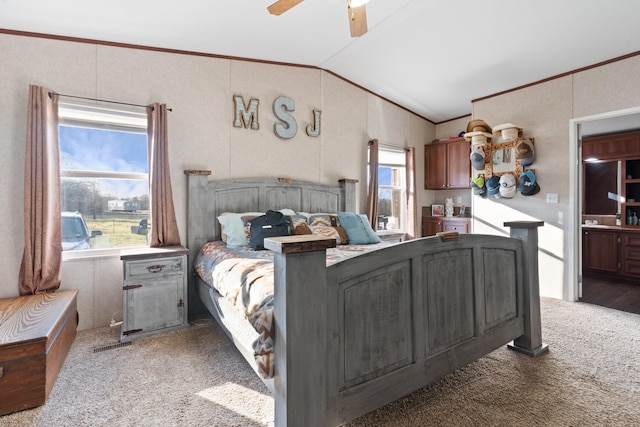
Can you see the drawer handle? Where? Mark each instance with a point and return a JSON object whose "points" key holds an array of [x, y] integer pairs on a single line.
{"points": [[155, 268]]}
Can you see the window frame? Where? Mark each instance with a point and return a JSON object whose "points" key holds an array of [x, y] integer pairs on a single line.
{"points": [[384, 153], [92, 116]]}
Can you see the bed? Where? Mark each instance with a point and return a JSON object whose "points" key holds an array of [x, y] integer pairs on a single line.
{"points": [[354, 335]]}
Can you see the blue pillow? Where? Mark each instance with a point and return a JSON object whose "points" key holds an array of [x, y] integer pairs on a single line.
{"points": [[358, 228]]}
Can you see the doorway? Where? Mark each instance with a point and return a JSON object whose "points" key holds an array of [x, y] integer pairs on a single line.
{"points": [[611, 122]]}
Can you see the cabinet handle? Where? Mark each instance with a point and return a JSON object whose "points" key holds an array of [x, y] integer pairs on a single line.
{"points": [[155, 268], [181, 303]]}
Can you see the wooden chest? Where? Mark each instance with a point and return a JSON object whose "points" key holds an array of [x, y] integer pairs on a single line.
{"points": [[36, 332]]}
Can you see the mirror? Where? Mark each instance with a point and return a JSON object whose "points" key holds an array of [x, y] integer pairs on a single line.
{"points": [[601, 187], [503, 160]]}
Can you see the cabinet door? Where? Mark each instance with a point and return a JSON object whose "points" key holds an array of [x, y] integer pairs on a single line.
{"points": [[631, 254], [600, 251], [153, 305], [459, 165], [435, 166], [431, 226]]}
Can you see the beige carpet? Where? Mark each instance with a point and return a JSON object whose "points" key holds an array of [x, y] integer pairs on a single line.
{"points": [[194, 377]]}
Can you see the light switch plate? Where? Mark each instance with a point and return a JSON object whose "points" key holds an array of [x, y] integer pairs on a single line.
{"points": [[552, 197]]}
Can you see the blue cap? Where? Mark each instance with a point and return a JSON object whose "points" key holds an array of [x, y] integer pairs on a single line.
{"points": [[527, 185], [493, 185]]}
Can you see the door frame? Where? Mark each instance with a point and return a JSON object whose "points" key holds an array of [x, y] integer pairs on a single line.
{"points": [[575, 184]]}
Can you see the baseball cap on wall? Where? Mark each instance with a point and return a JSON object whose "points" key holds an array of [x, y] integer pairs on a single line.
{"points": [[525, 152], [477, 186], [507, 186], [527, 184], [477, 158], [493, 186]]}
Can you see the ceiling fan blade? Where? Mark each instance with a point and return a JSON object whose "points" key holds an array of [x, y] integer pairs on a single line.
{"points": [[357, 20], [281, 6]]}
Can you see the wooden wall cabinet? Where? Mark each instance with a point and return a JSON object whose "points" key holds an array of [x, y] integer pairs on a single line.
{"points": [[610, 146], [447, 164], [624, 149]]}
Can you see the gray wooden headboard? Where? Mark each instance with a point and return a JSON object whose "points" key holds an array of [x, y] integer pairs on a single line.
{"points": [[207, 199]]}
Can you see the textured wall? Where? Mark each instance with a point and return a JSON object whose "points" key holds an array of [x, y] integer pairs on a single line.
{"points": [[201, 132], [545, 111]]}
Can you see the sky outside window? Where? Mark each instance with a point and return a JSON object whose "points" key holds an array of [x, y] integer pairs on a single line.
{"points": [[98, 150]]}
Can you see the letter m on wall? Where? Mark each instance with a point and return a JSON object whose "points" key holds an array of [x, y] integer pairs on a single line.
{"points": [[243, 116]]}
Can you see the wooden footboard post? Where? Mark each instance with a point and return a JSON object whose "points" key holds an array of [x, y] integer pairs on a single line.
{"points": [[300, 295], [196, 226], [531, 342]]}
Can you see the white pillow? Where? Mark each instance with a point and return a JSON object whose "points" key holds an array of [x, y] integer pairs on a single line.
{"points": [[233, 227]]}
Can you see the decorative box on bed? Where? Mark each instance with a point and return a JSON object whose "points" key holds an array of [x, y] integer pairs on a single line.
{"points": [[357, 334]]}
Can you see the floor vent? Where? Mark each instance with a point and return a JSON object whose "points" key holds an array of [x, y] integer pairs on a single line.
{"points": [[111, 346]]}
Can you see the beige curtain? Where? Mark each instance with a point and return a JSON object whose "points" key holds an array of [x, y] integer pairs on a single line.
{"points": [[372, 195], [40, 267], [164, 227], [412, 208]]}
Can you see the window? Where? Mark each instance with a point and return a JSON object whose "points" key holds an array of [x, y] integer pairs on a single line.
{"points": [[104, 169], [391, 189]]}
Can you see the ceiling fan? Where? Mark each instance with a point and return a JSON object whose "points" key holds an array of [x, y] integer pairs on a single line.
{"points": [[356, 9]]}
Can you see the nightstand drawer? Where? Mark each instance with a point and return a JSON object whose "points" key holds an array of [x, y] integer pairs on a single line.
{"points": [[459, 225], [156, 267], [461, 229]]}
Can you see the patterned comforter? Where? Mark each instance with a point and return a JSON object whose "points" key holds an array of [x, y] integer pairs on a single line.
{"points": [[245, 277]]}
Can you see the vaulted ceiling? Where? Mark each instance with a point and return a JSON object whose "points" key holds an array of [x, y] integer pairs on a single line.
{"points": [[432, 57]]}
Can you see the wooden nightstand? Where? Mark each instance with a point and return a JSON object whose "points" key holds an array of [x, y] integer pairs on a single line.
{"points": [[154, 297]]}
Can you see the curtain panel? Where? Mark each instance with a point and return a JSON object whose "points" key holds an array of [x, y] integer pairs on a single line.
{"points": [[42, 256], [372, 194], [164, 227], [412, 207]]}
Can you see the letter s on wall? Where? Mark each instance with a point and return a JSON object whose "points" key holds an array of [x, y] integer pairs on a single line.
{"points": [[281, 105]]}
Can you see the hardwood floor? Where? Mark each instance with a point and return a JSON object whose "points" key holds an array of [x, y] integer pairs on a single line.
{"points": [[617, 295]]}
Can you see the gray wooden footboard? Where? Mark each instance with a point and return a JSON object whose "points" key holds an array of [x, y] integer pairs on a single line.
{"points": [[355, 336], [368, 330]]}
